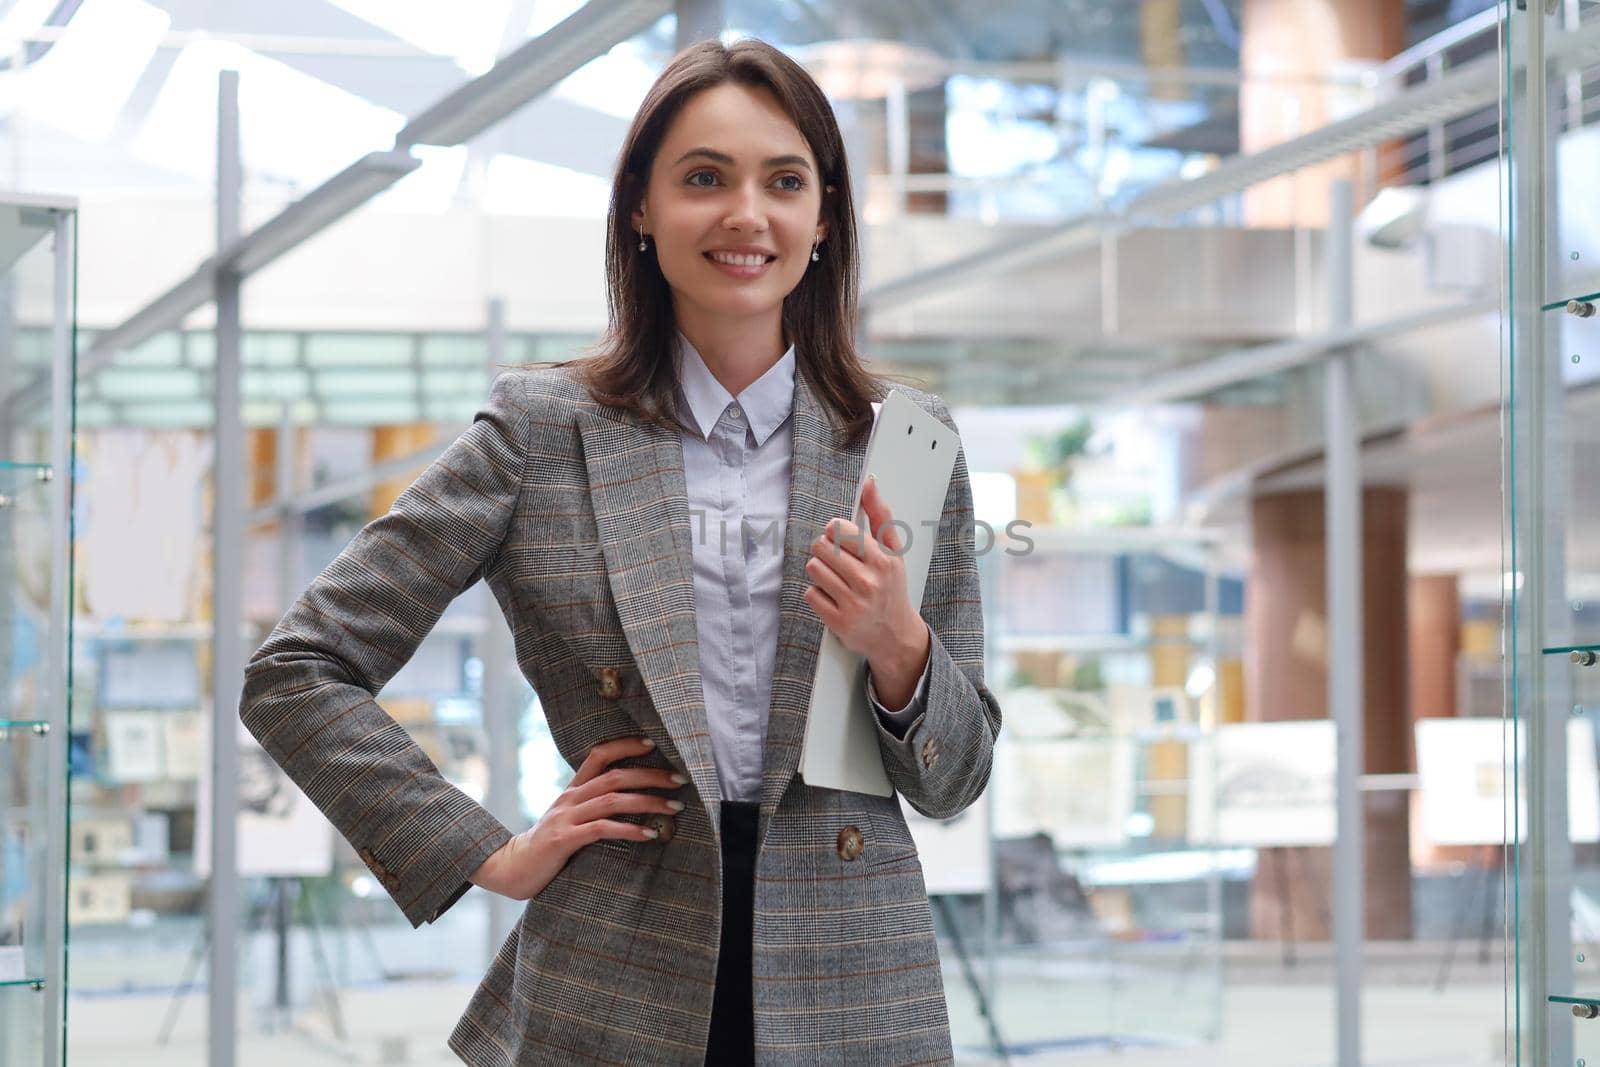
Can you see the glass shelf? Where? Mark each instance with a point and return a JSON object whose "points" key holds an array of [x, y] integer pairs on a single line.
{"points": [[1558, 305], [34, 984], [24, 481]]}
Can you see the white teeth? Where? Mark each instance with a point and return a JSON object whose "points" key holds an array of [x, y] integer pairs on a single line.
{"points": [[736, 260]]}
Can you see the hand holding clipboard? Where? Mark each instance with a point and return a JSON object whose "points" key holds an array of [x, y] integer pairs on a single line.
{"points": [[911, 455]]}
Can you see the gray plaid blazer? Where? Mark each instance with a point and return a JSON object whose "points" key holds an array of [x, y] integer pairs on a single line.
{"points": [[577, 517]]}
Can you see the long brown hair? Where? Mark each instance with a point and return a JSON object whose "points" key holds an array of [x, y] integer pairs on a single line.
{"points": [[632, 365]]}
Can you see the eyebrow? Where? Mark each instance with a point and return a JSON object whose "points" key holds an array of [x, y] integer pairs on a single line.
{"points": [[727, 160]]}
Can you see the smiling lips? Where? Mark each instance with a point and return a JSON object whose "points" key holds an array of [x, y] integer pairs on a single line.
{"points": [[741, 264]]}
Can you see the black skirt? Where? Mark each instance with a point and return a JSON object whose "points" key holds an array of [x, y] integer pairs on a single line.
{"points": [[733, 1041]]}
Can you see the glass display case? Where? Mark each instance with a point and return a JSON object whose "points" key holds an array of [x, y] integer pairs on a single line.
{"points": [[1114, 658], [37, 370], [1551, 361]]}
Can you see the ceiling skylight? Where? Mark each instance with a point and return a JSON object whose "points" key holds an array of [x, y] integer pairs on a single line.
{"points": [[80, 85], [294, 128], [468, 31]]}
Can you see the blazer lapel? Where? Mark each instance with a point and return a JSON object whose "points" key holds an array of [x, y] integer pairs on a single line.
{"points": [[822, 486], [641, 511]]}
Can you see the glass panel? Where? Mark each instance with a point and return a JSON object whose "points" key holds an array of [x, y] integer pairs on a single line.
{"points": [[36, 279], [24, 939], [1110, 886], [1554, 561]]}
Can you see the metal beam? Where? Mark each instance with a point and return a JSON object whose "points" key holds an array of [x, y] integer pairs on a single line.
{"points": [[537, 66], [1248, 364]]}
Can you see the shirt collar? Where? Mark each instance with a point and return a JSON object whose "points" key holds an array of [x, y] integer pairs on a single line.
{"points": [[766, 402]]}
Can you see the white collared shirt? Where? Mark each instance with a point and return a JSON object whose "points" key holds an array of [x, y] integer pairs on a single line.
{"points": [[736, 467]]}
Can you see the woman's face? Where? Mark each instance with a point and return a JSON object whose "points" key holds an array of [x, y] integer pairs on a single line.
{"points": [[732, 205]]}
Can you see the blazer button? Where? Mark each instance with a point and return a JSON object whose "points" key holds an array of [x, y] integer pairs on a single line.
{"points": [[610, 683], [850, 843], [663, 825]]}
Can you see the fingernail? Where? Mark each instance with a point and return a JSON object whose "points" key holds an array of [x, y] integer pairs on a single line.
{"points": [[652, 834], [647, 742], [675, 805], [872, 477], [680, 779]]}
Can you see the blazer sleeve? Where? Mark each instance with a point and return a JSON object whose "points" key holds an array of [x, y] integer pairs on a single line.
{"points": [[309, 689], [940, 762]]}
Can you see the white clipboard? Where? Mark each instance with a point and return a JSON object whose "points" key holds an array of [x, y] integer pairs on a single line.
{"points": [[912, 454]]}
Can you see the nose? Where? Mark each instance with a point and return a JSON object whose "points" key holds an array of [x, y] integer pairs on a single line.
{"points": [[745, 213]]}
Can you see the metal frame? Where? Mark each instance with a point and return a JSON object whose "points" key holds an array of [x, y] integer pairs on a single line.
{"points": [[1473, 85], [513, 81], [531, 70], [1540, 477], [59, 650]]}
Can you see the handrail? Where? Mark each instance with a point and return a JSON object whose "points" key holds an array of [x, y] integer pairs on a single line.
{"points": [[1446, 39]]}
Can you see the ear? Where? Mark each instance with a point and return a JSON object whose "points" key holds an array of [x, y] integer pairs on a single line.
{"points": [[638, 215]]}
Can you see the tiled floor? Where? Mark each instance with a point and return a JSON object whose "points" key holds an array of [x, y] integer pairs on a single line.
{"points": [[1050, 1011]]}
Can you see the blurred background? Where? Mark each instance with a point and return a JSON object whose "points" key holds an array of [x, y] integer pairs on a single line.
{"points": [[1218, 292]]}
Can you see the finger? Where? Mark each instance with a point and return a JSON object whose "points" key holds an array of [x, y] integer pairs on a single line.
{"points": [[827, 579], [843, 538], [821, 603], [888, 537], [606, 805], [602, 829], [873, 504], [847, 565], [606, 753], [618, 778]]}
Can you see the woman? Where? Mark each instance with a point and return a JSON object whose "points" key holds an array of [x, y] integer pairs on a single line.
{"points": [[690, 900]]}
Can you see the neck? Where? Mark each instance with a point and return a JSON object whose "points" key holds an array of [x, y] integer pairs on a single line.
{"points": [[736, 351]]}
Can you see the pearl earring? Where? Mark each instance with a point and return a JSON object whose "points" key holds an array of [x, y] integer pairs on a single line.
{"points": [[816, 257], [641, 239]]}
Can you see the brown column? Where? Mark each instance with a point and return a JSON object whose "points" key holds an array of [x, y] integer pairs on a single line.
{"points": [[1289, 52], [1435, 641], [1286, 672], [1435, 647]]}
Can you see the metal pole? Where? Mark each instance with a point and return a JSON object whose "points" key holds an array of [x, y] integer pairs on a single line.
{"points": [[501, 708], [1543, 494], [1342, 503], [1214, 888], [699, 20], [897, 122], [58, 712], [858, 156], [1438, 146], [227, 658], [289, 518]]}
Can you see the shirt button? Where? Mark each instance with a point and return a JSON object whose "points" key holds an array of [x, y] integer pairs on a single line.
{"points": [[734, 413]]}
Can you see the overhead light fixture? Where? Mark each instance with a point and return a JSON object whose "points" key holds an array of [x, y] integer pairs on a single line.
{"points": [[866, 69], [537, 66], [317, 210]]}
